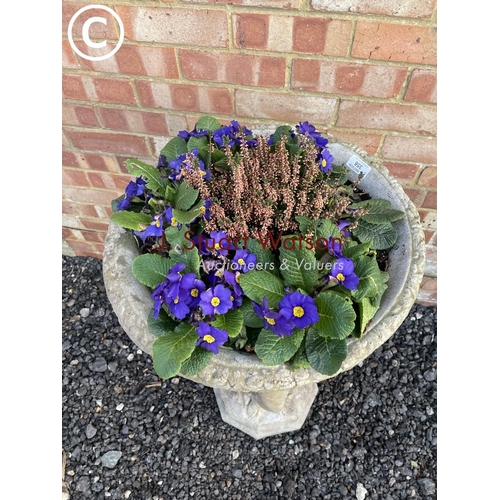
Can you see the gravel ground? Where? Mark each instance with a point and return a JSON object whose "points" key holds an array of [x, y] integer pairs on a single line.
{"points": [[371, 433]]}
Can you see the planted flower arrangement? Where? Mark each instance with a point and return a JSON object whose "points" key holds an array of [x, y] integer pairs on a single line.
{"points": [[257, 243]]}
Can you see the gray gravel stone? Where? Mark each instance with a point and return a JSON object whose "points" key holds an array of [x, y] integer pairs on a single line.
{"points": [[427, 486], [99, 365], [85, 312], [90, 431], [110, 458]]}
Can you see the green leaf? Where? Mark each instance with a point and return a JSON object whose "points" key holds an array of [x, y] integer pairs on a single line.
{"points": [[185, 196], [299, 268], [283, 130], [185, 217], [172, 348], [325, 354], [175, 147], [306, 225], [326, 229], [196, 362], [151, 269], [177, 238], [170, 193], [273, 350], [198, 142], [231, 322], [370, 277], [131, 220], [382, 235], [153, 176], [259, 284], [209, 123], [379, 211], [115, 202], [336, 315], [354, 250], [299, 359], [264, 256], [162, 325], [366, 313], [190, 258], [249, 317]]}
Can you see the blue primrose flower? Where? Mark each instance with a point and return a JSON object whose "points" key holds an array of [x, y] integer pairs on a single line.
{"points": [[154, 229], [273, 321], [170, 218], [194, 287], [132, 190], [326, 161], [342, 225], [217, 300], [211, 338], [162, 161], [233, 281], [343, 273], [300, 309], [244, 261], [307, 129], [219, 242]]}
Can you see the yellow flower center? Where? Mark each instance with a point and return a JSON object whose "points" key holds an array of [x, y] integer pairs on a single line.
{"points": [[217, 246], [270, 320], [174, 221], [323, 163], [176, 300], [340, 277], [219, 273], [203, 173], [208, 338], [194, 292], [215, 301], [203, 210], [298, 312], [158, 223], [231, 298], [241, 262], [237, 278]]}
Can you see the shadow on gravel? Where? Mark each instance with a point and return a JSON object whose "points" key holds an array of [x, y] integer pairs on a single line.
{"points": [[371, 433]]}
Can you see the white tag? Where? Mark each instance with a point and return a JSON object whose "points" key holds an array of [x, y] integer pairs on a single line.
{"points": [[357, 165]]}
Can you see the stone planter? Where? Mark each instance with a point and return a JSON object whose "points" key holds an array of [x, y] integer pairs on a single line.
{"points": [[267, 400]]}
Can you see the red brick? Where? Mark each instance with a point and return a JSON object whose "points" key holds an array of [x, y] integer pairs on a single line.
{"points": [[89, 195], [251, 30], [430, 200], [102, 163], [387, 116], [416, 149], [78, 209], [422, 86], [404, 8], [82, 248], [403, 172], [79, 115], [428, 235], [105, 142], [290, 108], [96, 31], [74, 178], [428, 178], [367, 142], [93, 236], [69, 60], [114, 91], [395, 42], [147, 61], [69, 159], [233, 68], [72, 87], [67, 233], [415, 195], [186, 97], [113, 118], [200, 27], [106, 181], [309, 34], [95, 225], [341, 78], [64, 141], [427, 295]]}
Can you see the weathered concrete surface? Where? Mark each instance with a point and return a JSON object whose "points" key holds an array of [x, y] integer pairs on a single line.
{"points": [[242, 372]]}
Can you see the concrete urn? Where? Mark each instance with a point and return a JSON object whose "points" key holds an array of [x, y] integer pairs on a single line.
{"points": [[267, 400]]}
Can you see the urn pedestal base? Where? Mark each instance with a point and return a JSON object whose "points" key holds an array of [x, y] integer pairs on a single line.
{"points": [[266, 413]]}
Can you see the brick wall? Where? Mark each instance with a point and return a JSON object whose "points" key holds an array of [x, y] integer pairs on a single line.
{"points": [[363, 70]]}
